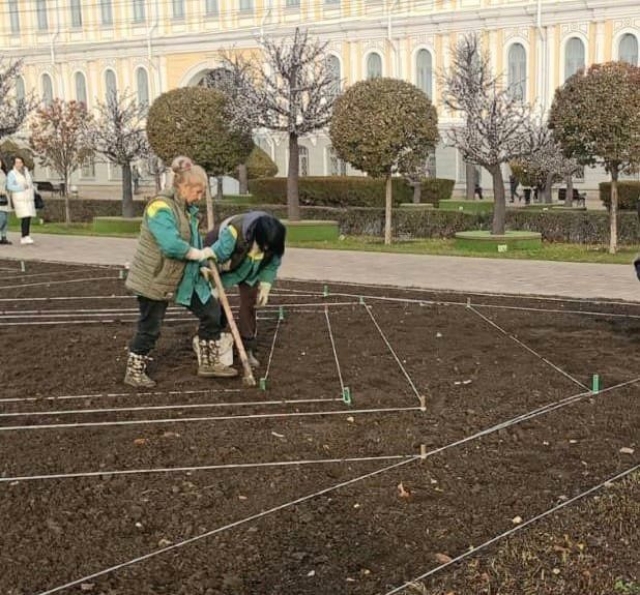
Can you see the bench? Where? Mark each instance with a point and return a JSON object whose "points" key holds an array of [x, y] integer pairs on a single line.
{"points": [[579, 197], [52, 189]]}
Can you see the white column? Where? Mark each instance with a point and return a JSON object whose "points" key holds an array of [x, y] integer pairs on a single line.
{"points": [[600, 40], [551, 65]]}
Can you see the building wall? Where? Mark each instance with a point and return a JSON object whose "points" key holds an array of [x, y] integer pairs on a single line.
{"points": [[175, 48]]}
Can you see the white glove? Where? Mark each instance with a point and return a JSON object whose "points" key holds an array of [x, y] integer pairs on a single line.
{"points": [[200, 255], [263, 293], [208, 275]]}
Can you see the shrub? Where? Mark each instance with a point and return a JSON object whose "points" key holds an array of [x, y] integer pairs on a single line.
{"points": [[344, 191], [433, 190], [628, 195], [260, 165]]}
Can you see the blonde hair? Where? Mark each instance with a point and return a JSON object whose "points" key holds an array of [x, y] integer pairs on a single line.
{"points": [[187, 172]]}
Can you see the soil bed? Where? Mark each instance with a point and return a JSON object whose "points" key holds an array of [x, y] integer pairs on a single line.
{"points": [[301, 492]]}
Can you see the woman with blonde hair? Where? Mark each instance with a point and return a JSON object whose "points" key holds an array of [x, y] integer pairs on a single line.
{"points": [[20, 185], [166, 267]]}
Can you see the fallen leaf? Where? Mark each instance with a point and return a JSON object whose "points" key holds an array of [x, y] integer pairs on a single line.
{"points": [[171, 435], [141, 441], [86, 586], [443, 558], [516, 520], [311, 573], [164, 542], [242, 498], [625, 450], [403, 492]]}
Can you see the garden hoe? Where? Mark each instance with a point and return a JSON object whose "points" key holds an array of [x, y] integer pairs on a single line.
{"points": [[247, 377]]}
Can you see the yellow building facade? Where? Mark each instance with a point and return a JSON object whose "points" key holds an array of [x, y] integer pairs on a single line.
{"points": [[78, 49]]}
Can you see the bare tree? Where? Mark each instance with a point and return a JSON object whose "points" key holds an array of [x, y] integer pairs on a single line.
{"points": [[288, 89], [120, 135], [13, 109], [546, 163], [61, 135], [495, 119]]}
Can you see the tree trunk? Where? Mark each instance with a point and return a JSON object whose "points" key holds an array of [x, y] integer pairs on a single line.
{"points": [[243, 179], [208, 200], [499, 205], [471, 180], [157, 178], [417, 193], [127, 192], [219, 192], [613, 214], [548, 190], [67, 206], [293, 199], [388, 201], [569, 200]]}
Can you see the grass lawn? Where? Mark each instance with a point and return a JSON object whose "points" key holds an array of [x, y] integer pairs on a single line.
{"points": [[557, 252], [467, 206]]}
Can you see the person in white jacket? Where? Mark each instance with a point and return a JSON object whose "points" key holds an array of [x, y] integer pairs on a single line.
{"points": [[5, 205], [20, 185]]}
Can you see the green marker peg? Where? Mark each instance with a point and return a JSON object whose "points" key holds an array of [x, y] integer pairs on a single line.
{"points": [[281, 313], [263, 384], [361, 301], [325, 291], [23, 266], [595, 384], [346, 395], [121, 274]]}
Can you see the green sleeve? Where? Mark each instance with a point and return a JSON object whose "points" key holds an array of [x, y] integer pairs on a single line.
{"points": [[268, 274]]}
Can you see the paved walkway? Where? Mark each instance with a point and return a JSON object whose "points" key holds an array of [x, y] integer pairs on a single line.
{"points": [[454, 273]]}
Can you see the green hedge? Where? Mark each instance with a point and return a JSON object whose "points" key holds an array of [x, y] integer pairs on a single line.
{"points": [[583, 227], [348, 191], [434, 190], [628, 195]]}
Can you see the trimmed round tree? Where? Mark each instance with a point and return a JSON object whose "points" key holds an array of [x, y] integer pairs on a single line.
{"points": [[595, 117], [194, 121], [260, 165], [384, 127]]}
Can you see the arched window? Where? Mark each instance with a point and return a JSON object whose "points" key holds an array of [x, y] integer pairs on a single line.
{"points": [[110, 84], [21, 92], [628, 49], [374, 66], [47, 89], [517, 80], [573, 57], [142, 84], [333, 67], [81, 88], [303, 160], [337, 167], [424, 72]]}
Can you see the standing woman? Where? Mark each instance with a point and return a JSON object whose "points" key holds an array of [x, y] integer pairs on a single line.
{"points": [[166, 267], [5, 205], [20, 185]]}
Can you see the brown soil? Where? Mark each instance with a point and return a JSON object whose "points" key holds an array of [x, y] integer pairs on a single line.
{"points": [[334, 531]]}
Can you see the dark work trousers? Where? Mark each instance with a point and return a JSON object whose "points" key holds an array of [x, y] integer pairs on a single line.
{"points": [[25, 226], [247, 322], [152, 314]]}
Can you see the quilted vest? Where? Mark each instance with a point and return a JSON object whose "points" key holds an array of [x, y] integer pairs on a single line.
{"points": [[152, 274]]}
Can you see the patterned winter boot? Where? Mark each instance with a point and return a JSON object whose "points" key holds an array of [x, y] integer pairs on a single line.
{"points": [[136, 374], [209, 364]]}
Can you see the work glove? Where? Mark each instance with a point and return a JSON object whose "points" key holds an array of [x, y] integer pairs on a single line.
{"points": [[263, 294], [200, 255]]}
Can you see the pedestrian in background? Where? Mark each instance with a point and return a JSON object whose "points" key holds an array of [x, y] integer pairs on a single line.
{"points": [[5, 204], [20, 185]]}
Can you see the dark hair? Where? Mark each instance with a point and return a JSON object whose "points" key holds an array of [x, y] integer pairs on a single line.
{"points": [[270, 234]]}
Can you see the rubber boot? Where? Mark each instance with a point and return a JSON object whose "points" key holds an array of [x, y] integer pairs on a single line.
{"points": [[253, 361], [209, 364], [136, 374]]}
